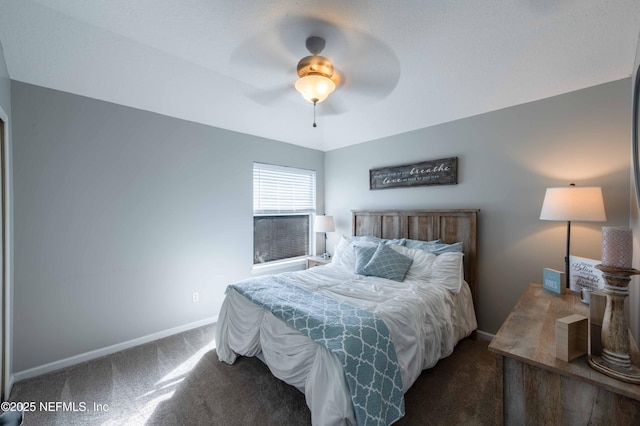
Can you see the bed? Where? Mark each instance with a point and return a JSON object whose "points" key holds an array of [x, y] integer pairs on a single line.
{"points": [[386, 326]]}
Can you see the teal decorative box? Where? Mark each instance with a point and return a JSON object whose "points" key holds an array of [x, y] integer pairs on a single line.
{"points": [[553, 280]]}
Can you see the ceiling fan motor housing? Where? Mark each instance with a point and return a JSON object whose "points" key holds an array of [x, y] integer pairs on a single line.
{"points": [[315, 64]]}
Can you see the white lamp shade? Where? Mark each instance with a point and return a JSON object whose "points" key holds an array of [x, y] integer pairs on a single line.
{"points": [[324, 224], [573, 203], [315, 88]]}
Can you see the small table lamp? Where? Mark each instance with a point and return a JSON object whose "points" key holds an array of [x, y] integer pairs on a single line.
{"points": [[324, 224], [571, 204]]}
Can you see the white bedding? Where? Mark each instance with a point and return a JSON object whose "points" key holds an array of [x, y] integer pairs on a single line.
{"points": [[425, 321]]}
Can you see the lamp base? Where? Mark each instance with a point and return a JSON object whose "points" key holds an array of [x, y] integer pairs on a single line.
{"points": [[630, 374]]}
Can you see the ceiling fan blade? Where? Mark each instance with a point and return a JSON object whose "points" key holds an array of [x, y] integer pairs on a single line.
{"points": [[333, 105], [373, 70], [270, 96], [376, 85], [263, 52]]}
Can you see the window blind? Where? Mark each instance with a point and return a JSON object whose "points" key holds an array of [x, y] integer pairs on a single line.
{"points": [[283, 190]]}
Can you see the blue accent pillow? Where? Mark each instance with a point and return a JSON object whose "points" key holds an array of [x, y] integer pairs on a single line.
{"points": [[417, 244], [387, 263], [374, 239], [371, 238], [363, 256], [445, 248]]}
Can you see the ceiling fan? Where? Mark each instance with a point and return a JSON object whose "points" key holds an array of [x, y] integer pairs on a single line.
{"points": [[316, 72], [368, 69]]}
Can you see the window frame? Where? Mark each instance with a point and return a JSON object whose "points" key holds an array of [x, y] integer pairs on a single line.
{"points": [[308, 209]]}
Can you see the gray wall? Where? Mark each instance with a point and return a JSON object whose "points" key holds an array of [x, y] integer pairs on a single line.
{"points": [[506, 160], [5, 84], [120, 215]]}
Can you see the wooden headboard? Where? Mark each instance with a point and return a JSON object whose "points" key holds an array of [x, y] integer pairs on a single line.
{"points": [[450, 226]]}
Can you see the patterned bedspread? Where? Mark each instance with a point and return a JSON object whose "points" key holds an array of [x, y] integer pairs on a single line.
{"points": [[359, 339]]}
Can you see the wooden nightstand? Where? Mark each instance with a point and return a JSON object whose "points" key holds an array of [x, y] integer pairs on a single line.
{"points": [[539, 388], [317, 261]]}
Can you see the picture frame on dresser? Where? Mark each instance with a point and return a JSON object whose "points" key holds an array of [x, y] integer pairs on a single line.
{"points": [[584, 274]]}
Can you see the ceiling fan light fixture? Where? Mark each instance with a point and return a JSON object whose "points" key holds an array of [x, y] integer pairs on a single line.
{"points": [[315, 72], [315, 87]]}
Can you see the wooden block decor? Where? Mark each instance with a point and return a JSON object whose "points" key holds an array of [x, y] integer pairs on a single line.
{"points": [[571, 337], [553, 280], [597, 304]]}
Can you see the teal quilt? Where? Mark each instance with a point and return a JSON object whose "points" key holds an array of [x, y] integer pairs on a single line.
{"points": [[357, 337]]}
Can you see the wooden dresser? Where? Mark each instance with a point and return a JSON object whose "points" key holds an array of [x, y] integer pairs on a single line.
{"points": [[540, 389]]}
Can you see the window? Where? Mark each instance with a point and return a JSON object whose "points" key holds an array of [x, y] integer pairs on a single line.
{"points": [[284, 200]]}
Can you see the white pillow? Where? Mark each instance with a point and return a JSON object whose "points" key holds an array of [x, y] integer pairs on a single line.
{"points": [[338, 251], [448, 271], [422, 262], [445, 270], [345, 256]]}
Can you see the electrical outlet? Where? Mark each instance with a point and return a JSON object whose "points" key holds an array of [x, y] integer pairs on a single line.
{"points": [[195, 296]]}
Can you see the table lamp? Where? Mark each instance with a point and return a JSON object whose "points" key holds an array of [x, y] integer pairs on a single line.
{"points": [[573, 204], [324, 224]]}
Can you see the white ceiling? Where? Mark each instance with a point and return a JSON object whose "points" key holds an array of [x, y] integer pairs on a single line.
{"points": [[404, 65]]}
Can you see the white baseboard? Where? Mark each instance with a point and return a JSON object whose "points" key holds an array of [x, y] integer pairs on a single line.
{"points": [[88, 356], [484, 335]]}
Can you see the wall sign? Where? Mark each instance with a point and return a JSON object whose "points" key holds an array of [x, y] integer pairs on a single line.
{"points": [[435, 172]]}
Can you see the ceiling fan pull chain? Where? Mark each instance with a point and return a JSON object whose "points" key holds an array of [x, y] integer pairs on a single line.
{"points": [[314, 113]]}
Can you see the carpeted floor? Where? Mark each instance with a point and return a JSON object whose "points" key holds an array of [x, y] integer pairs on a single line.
{"points": [[179, 380]]}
